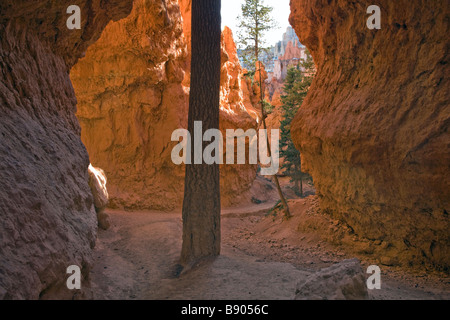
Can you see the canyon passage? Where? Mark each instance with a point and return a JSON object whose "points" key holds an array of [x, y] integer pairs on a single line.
{"points": [[372, 133]]}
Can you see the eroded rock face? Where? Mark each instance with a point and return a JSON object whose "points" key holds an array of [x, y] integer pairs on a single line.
{"points": [[130, 100], [47, 214], [235, 180], [131, 96], [373, 131]]}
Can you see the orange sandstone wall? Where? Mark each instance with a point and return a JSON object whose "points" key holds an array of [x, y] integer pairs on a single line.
{"points": [[132, 94], [235, 180], [373, 131]]}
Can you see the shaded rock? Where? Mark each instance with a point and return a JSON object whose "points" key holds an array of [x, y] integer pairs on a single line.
{"points": [[46, 206], [342, 281], [103, 219]]}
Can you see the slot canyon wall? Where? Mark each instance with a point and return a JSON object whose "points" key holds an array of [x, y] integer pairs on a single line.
{"points": [[48, 221], [130, 100], [373, 131], [132, 94]]}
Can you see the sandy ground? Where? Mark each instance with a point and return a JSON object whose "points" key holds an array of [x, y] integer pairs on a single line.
{"points": [[137, 259], [272, 238], [263, 257]]}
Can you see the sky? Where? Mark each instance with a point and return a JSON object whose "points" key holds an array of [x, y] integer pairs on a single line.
{"points": [[232, 8]]}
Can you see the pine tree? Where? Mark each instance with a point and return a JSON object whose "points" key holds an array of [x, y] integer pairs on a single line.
{"points": [[254, 21], [296, 85]]}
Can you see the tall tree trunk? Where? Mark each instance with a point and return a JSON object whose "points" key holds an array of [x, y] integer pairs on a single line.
{"points": [[201, 204]]}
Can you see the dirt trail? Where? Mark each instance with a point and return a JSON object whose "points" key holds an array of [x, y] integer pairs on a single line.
{"points": [[137, 259]]}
